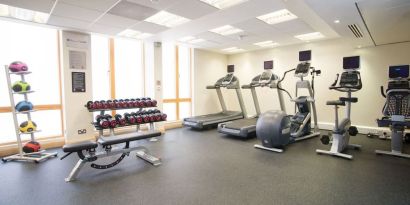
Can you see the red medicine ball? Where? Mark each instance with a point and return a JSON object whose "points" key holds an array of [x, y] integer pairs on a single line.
{"points": [[31, 146]]}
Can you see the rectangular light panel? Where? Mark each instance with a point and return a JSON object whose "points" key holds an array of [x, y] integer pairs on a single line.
{"points": [[134, 34], [233, 49], [226, 30], [167, 19], [223, 4], [190, 39], [277, 17], [310, 36], [23, 14], [266, 44]]}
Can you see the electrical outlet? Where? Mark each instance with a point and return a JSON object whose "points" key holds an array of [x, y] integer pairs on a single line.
{"points": [[82, 131]]}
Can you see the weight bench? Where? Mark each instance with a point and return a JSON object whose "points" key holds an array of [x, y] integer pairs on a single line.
{"points": [[86, 151]]}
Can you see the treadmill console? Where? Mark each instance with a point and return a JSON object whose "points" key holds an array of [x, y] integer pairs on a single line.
{"points": [[302, 70], [229, 77], [265, 77]]}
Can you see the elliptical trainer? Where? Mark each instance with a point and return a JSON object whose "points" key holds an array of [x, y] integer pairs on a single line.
{"points": [[350, 81], [276, 129], [396, 111]]}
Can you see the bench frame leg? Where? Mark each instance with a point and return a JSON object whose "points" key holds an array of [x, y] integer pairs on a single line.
{"points": [[142, 153]]}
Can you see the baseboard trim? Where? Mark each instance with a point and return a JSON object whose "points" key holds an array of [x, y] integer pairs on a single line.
{"points": [[361, 128]]}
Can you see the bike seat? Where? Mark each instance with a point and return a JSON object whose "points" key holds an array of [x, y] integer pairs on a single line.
{"points": [[336, 102], [344, 99]]}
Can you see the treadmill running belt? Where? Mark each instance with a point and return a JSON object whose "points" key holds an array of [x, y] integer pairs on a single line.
{"points": [[242, 123]]}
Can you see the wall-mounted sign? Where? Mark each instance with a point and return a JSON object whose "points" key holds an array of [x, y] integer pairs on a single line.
{"points": [[77, 59], [78, 82]]}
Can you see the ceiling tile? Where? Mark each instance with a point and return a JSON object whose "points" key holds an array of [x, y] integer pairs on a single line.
{"points": [[67, 22], [213, 37], [75, 12], [104, 29], [293, 27], [38, 5], [182, 9], [99, 5], [148, 27], [116, 21], [132, 10], [254, 25], [159, 4]]}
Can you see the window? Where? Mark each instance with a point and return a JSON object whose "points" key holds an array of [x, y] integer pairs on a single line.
{"points": [[38, 48], [100, 59], [176, 72]]}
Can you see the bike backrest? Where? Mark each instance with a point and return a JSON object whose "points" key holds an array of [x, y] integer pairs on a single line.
{"points": [[397, 99]]}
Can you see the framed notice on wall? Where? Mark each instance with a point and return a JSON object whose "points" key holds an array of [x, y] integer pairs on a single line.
{"points": [[78, 82], [77, 59]]}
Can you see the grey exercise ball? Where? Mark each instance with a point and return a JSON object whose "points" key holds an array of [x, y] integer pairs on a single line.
{"points": [[273, 128]]}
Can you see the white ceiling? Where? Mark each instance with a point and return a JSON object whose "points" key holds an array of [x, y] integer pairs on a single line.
{"points": [[388, 20]]}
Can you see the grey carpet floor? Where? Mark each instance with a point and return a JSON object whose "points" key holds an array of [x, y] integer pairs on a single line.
{"points": [[209, 168]]}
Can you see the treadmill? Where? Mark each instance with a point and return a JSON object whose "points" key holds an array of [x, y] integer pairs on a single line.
{"points": [[212, 120], [246, 128]]}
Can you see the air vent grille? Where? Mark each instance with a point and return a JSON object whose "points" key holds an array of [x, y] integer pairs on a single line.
{"points": [[355, 30]]}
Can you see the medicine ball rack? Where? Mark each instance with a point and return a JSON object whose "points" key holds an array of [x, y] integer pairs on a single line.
{"points": [[21, 156], [90, 151]]}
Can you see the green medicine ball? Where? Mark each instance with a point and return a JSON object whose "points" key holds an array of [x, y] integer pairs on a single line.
{"points": [[20, 86]]}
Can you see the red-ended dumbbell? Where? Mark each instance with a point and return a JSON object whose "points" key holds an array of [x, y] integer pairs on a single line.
{"points": [[164, 117], [154, 103], [104, 104], [111, 104], [158, 117], [129, 118], [138, 118], [90, 105], [148, 102], [111, 120], [102, 121], [146, 118], [120, 120], [152, 117]]}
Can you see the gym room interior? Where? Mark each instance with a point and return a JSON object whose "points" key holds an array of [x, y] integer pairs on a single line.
{"points": [[204, 102]]}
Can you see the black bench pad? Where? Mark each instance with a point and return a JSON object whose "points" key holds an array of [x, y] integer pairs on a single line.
{"points": [[335, 102], [111, 140], [352, 99], [79, 146]]}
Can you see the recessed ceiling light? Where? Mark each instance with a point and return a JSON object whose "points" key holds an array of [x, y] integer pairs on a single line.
{"points": [[23, 14], [190, 39], [359, 46], [310, 36], [233, 49], [167, 19], [226, 30], [336, 21], [266, 44], [277, 17], [134, 34], [223, 4]]}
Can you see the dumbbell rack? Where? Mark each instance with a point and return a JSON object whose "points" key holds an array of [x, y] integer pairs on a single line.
{"points": [[21, 156], [112, 133]]}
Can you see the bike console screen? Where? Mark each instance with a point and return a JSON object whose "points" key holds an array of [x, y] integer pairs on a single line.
{"points": [[352, 62], [399, 71]]}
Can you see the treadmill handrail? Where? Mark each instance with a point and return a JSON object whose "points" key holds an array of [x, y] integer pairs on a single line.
{"points": [[211, 87]]}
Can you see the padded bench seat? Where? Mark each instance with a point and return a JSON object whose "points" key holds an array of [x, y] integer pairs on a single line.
{"points": [[111, 140], [80, 146]]}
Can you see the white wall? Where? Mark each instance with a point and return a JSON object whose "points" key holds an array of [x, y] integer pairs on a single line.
{"points": [[208, 68], [326, 56]]}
